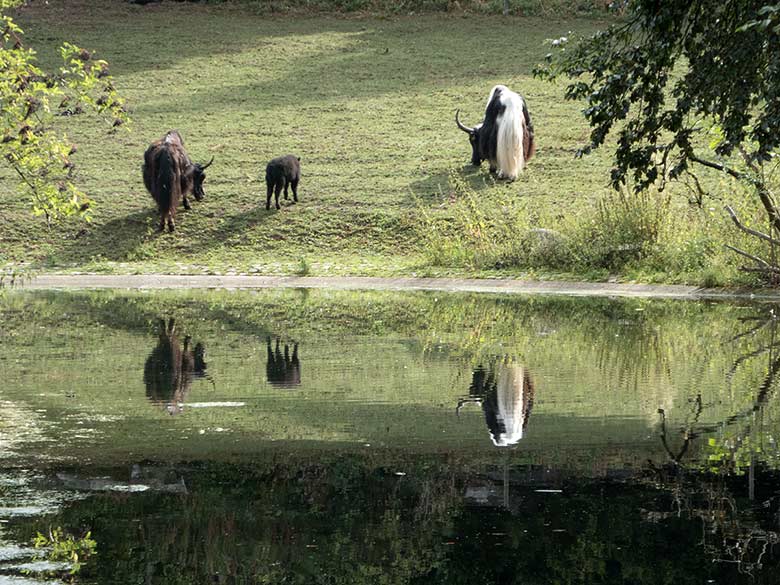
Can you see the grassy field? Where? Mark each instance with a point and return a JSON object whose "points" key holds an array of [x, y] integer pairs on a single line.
{"points": [[367, 102]]}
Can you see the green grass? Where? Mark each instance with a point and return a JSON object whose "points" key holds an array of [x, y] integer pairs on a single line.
{"points": [[368, 103]]}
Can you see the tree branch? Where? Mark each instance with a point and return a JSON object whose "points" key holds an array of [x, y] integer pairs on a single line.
{"points": [[718, 167], [23, 176], [748, 230], [748, 160], [761, 269], [763, 263]]}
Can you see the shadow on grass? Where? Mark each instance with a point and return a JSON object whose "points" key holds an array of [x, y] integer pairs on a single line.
{"points": [[234, 228], [116, 239], [363, 59], [444, 185], [135, 237]]}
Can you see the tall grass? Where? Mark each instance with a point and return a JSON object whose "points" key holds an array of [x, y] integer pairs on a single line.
{"points": [[649, 234], [626, 226], [478, 232]]}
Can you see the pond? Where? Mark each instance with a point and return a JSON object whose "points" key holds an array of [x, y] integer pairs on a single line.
{"points": [[313, 436]]}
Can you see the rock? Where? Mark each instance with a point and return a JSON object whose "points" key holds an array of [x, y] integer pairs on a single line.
{"points": [[545, 246]]}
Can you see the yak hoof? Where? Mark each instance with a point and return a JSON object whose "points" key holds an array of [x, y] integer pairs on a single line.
{"points": [[278, 206]]}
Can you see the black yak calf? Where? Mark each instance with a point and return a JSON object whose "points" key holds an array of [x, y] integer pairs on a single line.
{"points": [[283, 372], [282, 172], [170, 175]]}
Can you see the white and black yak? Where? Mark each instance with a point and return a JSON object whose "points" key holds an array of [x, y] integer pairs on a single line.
{"points": [[170, 176], [506, 393], [505, 138]]}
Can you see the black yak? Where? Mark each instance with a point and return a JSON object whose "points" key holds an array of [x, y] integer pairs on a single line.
{"points": [[283, 372], [505, 138], [171, 368], [506, 392], [281, 172], [170, 175]]}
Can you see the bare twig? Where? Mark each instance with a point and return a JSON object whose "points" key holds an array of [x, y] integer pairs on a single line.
{"points": [[697, 189], [763, 263], [749, 161], [748, 230], [740, 360], [761, 269], [750, 331]]}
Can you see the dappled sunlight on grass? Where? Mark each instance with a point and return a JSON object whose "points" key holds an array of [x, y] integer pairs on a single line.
{"points": [[368, 104]]}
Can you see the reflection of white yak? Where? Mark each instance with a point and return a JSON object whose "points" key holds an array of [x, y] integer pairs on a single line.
{"points": [[506, 393]]}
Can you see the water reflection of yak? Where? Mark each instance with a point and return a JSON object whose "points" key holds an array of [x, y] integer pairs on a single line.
{"points": [[283, 371], [506, 393], [171, 367]]}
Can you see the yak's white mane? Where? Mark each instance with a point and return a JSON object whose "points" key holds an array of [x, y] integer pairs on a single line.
{"points": [[511, 126], [511, 392]]}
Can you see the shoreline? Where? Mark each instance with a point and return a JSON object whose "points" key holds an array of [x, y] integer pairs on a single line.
{"points": [[501, 286]]}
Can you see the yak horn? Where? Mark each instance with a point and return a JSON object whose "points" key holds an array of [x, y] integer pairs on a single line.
{"points": [[208, 164], [461, 125]]}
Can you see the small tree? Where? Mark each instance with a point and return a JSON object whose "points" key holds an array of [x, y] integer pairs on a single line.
{"points": [[30, 99], [673, 71]]}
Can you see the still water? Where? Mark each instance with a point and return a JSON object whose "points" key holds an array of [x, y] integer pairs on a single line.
{"points": [[340, 437]]}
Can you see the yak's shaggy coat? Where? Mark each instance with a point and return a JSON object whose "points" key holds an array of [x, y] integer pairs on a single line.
{"points": [[505, 138], [170, 176]]}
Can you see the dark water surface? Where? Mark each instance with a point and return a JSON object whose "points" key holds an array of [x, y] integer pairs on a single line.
{"points": [[343, 437]]}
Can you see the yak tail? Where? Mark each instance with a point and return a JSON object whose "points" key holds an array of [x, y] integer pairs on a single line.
{"points": [[529, 146], [511, 123], [167, 182]]}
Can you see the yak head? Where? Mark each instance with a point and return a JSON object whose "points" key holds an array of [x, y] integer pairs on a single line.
{"points": [[198, 176], [476, 153]]}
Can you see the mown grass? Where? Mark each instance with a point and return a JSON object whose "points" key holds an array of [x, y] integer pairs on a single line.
{"points": [[368, 103], [396, 7]]}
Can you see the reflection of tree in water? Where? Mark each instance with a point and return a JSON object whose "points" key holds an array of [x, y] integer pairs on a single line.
{"points": [[740, 434], [171, 368], [506, 393], [283, 371], [335, 518], [734, 528], [709, 491]]}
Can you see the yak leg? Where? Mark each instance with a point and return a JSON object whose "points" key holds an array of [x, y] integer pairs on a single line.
{"points": [[286, 184], [268, 197], [277, 192], [172, 220], [162, 221], [186, 203], [294, 185]]}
